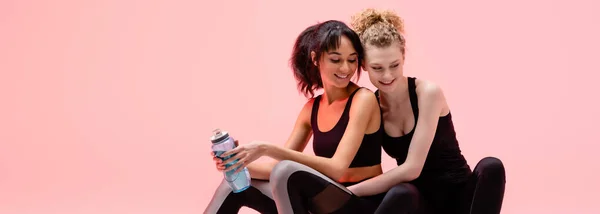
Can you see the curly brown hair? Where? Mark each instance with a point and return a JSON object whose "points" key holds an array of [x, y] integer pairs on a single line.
{"points": [[379, 28]]}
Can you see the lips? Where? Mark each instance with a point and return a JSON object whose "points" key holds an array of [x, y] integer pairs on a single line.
{"points": [[341, 76], [387, 82]]}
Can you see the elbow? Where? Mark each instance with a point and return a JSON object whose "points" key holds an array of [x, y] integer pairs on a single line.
{"points": [[338, 171], [412, 170], [413, 174]]}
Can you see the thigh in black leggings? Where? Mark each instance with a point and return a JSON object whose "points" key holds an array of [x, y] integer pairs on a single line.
{"points": [[403, 198], [300, 189], [257, 197], [485, 190], [482, 194]]}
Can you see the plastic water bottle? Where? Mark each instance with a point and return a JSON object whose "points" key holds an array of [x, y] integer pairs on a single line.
{"points": [[221, 143]]}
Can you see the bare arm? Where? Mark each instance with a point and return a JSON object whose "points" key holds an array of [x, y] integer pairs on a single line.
{"points": [[431, 102], [363, 106], [296, 141]]}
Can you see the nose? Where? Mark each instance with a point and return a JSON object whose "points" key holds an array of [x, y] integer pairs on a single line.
{"points": [[345, 68], [387, 75]]}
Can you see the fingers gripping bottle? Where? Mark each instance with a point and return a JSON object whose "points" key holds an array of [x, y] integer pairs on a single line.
{"points": [[222, 142]]}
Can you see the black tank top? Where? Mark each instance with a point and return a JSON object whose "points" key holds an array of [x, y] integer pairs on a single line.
{"points": [[444, 163], [326, 143]]}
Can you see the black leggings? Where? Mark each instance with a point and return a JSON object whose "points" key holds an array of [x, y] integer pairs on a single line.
{"points": [[483, 193], [485, 190], [307, 190], [299, 189], [257, 197]]}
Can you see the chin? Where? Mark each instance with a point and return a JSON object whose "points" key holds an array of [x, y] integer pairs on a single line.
{"points": [[385, 88], [343, 85]]}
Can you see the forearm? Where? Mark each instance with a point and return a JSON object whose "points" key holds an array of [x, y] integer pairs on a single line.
{"points": [[382, 183], [327, 166], [261, 170]]}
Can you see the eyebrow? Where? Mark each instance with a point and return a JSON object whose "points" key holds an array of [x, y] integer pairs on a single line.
{"points": [[337, 53], [379, 64]]}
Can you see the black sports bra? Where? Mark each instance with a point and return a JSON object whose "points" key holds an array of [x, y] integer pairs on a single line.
{"points": [[325, 143]]}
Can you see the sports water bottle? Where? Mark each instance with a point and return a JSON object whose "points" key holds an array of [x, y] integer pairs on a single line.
{"points": [[221, 143]]}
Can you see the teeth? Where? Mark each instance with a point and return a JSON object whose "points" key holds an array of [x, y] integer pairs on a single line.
{"points": [[390, 82], [340, 76]]}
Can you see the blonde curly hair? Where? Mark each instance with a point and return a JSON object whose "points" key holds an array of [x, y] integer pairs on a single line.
{"points": [[379, 28]]}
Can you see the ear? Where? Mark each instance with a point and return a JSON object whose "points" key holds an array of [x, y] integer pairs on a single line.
{"points": [[312, 57]]}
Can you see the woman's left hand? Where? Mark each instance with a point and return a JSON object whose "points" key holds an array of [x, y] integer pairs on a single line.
{"points": [[245, 154]]}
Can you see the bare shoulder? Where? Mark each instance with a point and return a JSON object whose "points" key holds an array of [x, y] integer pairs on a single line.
{"points": [[305, 112], [364, 97], [431, 95], [308, 105], [428, 90], [364, 104]]}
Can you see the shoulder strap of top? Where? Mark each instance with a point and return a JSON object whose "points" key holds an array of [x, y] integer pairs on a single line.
{"points": [[313, 113], [315, 108], [349, 102], [412, 92]]}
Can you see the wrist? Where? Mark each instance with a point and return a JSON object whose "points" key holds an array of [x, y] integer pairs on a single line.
{"points": [[267, 149]]}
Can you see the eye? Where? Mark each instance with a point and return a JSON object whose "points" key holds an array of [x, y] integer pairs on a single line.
{"points": [[394, 65], [335, 60], [375, 67], [352, 60]]}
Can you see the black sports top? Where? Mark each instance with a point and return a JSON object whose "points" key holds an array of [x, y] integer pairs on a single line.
{"points": [[326, 143], [444, 163]]}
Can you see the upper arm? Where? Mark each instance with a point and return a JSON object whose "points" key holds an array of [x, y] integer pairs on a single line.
{"points": [[431, 101], [302, 130], [364, 108]]}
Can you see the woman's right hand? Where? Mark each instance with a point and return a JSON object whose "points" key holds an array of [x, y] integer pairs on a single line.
{"points": [[218, 162]]}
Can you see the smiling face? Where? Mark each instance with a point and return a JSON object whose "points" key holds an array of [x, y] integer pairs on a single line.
{"points": [[384, 65], [326, 55], [338, 66], [381, 33]]}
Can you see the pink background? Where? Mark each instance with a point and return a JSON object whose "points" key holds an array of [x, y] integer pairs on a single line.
{"points": [[107, 106]]}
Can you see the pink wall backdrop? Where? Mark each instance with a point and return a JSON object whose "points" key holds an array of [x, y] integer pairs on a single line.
{"points": [[107, 106]]}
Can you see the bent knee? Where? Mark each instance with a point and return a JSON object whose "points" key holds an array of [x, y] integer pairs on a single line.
{"points": [[491, 166], [283, 170], [404, 190]]}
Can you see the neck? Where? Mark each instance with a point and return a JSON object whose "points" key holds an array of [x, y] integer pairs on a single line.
{"points": [[396, 97], [332, 94]]}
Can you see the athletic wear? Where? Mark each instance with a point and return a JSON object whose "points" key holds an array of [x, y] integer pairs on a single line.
{"points": [[326, 143], [300, 189], [445, 185], [445, 165], [258, 197]]}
